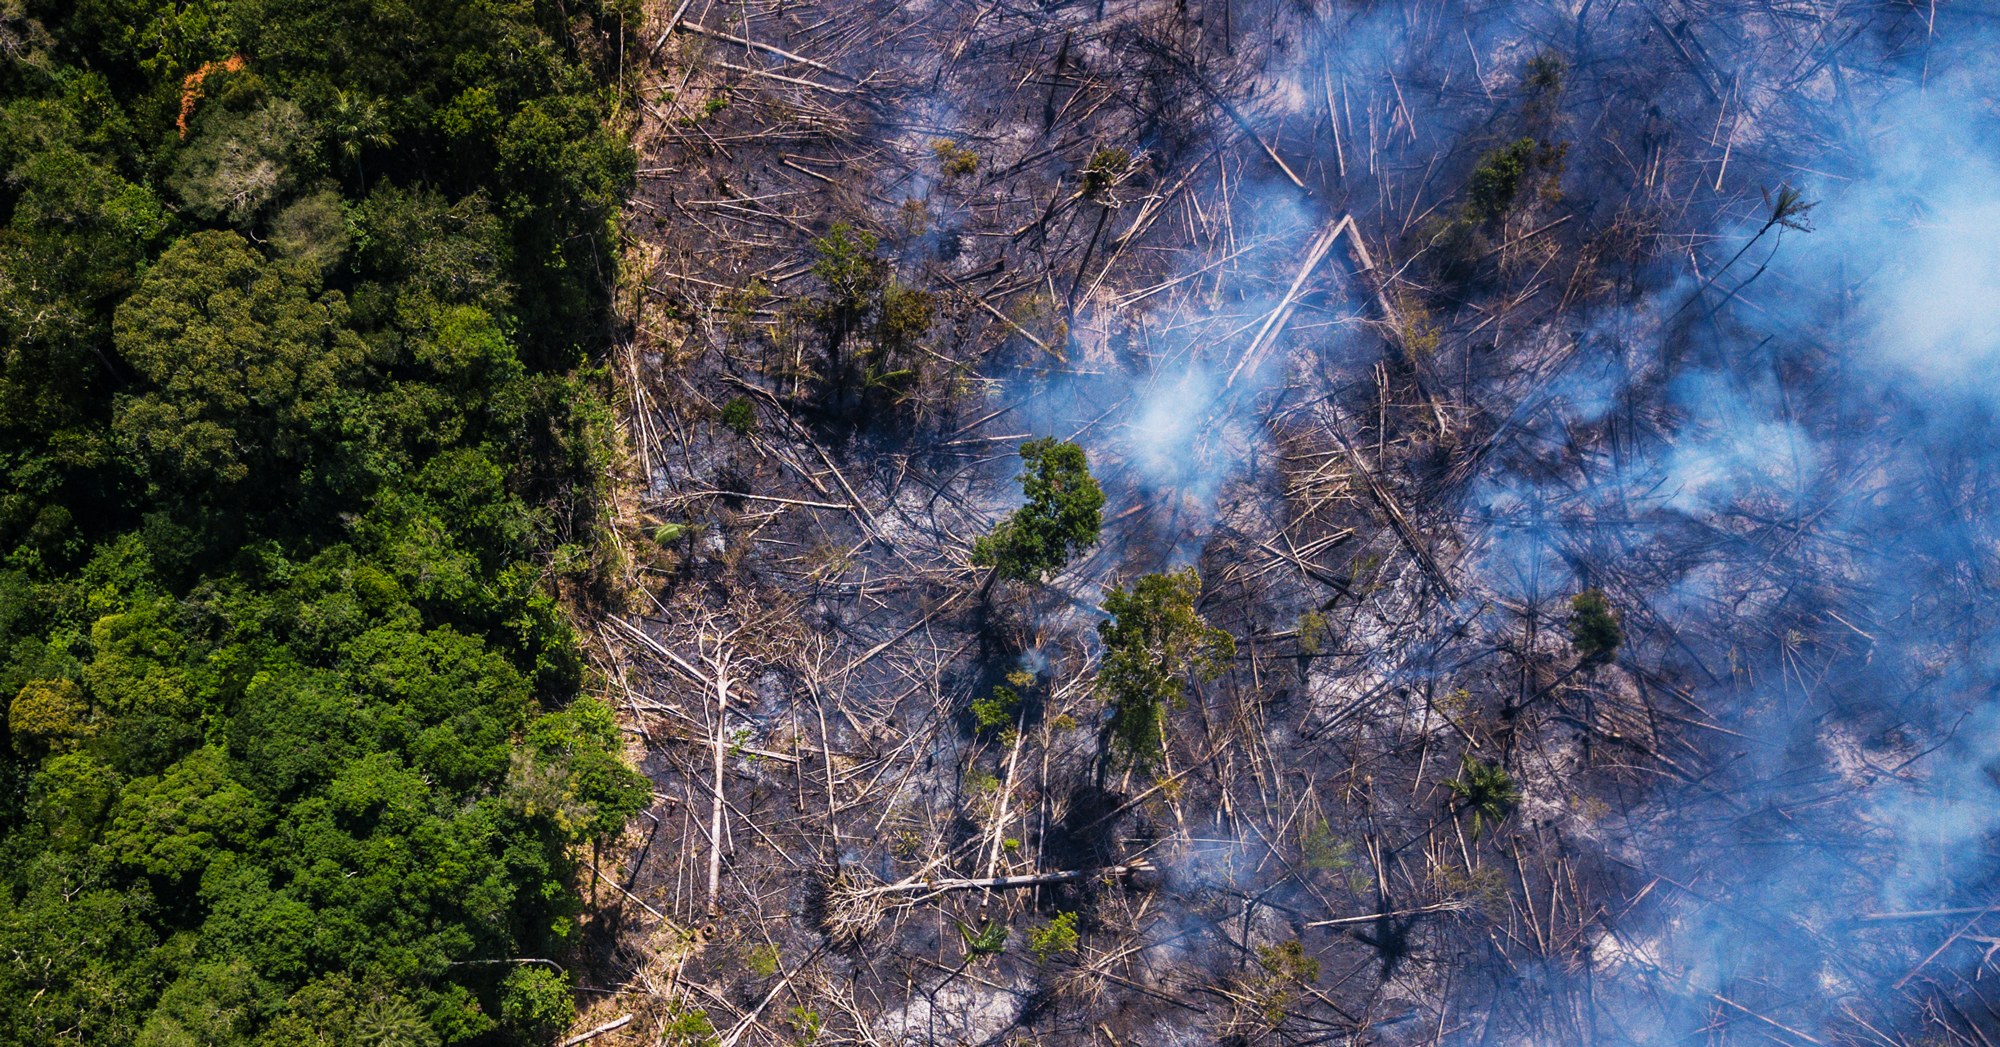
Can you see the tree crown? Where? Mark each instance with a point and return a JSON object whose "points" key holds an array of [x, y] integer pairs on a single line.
{"points": [[1064, 513]]}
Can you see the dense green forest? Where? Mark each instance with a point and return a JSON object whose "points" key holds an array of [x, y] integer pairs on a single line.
{"points": [[299, 301]]}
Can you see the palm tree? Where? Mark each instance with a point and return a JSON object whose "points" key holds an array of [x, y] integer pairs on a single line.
{"points": [[358, 122], [1485, 789], [392, 1022]]}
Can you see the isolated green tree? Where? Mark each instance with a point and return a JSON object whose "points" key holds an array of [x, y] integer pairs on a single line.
{"points": [[854, 276], [1497, 180], [1593, 628], [1485, 790], [1153, 641], [1064, 513]]}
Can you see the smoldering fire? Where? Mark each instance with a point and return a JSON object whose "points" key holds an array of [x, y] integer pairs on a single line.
{"points": [[1693, 303]]}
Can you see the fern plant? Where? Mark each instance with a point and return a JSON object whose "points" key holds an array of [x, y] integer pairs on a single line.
{"points": [[990, 940]]}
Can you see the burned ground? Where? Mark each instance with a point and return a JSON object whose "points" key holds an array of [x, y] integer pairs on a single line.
{"points": [[1403, 324]]}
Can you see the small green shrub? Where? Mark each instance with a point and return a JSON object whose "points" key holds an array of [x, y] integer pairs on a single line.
{"points": [[1153, 641], [738, 416], [1485, 789], [1497, 180], [1544, 74], [1059, 938], [739, 308], [1103, 170], [979, 781], [1287, 965], [762, 960], [1324, 851], [997, 710], [904, 317], [990, 940], [1289, 960], [689, 1028], [1312, 630], [806, 1022], [955, 160], [1593, 628]]}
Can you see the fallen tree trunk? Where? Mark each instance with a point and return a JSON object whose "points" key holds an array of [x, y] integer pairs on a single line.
{"points": [[613, 1025], [997, 883]]}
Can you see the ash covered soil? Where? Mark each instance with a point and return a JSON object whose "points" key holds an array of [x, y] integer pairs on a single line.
{"points": [[1403, 326]]}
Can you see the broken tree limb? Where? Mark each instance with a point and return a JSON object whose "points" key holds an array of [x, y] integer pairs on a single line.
{"points": [[1001, 816], [1924, 914], [1241, 121], [750, 1019], [633, 898], [661, 649], [1772, 1022], [672, 24], [767, 498], [980, 301], [782, 78], [1451, 906], [1373, 277], [1946, 944]]}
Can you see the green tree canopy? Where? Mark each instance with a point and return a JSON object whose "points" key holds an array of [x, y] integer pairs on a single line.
{"points": [[1153, 641], [1064, 513], [244, 363]]}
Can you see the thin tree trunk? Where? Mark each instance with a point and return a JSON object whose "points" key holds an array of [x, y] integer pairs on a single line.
{"points": [[721, 751]]}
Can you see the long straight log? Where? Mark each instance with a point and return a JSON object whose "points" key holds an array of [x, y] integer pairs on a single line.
{"points": [[721, 752], [715, 34], [1925, 914], [1373, 917], [673, 23], [997, 883], [613, 1025]]}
